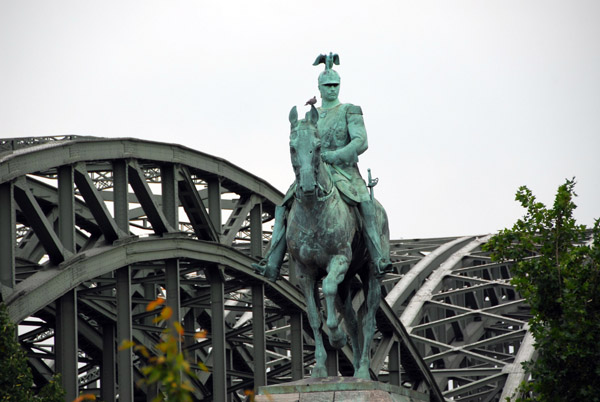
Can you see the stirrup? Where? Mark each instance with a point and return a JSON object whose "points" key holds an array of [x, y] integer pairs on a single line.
{"points": [[382, 267], [260, 267]]}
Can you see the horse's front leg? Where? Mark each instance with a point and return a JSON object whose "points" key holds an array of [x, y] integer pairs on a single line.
{"points": [[351, 321], [336, 271], [308, 284], [372, 290]]}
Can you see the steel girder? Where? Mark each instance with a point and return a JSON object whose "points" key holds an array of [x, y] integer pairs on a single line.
{"points": [[147, 220], [467, 320]]}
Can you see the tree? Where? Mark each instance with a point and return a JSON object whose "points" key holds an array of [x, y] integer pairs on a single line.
{"points": [[557, 270], [16, 381]]}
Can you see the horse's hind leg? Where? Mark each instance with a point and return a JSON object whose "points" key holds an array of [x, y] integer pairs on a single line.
{"points": [[308, 283], [372, 290]]}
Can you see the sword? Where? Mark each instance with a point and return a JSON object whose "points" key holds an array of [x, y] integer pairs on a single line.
{"points": [[372, 183]]}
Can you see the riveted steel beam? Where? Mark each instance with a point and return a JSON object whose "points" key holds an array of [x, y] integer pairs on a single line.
{"points": [[120, 191], [417, 276], [55, 281], [474, 385], [394, 365], [217, 300], [383, 350], [214, 203], [47, 156], [67, 355], [170, 200], [516, 374], [66, 343], [124, 333], [256, 235], [124, 330], [142, 190], [409, 316], [258, 335], [238, 217], [108, 390], [96, 204], [172, 285], [170, 209], [415, 368], [37, 220], [194, 207], [7, 235]]}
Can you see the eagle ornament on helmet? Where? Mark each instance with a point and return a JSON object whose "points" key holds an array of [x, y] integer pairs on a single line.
{"points": [[328, 76]]}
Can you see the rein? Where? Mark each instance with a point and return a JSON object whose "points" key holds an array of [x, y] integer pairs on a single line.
{"points": [[327, 192]]}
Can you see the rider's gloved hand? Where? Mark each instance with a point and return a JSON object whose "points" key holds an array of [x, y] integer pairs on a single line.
{"points": [[346, 155], [330, 157]]}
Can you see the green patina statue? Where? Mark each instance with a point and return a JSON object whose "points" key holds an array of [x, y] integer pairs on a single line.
{"points": [[328, 221]]}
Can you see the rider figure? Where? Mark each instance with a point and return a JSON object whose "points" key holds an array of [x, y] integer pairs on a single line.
{"points": [[343, 138]]}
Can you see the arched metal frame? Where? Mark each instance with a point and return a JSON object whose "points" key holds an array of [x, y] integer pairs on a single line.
{"points": [[467, 320], [93, 229]]}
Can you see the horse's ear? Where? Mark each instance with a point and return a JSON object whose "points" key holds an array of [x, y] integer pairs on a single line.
{"points": [[313, 115], [294, 116]]}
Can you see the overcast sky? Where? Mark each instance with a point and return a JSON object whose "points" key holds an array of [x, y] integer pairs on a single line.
{"points": [[464, 101]]}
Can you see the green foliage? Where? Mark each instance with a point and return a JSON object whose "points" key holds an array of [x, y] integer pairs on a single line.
{"points": [[16, 381], [53, 391], [558, 274], [169, 368]]}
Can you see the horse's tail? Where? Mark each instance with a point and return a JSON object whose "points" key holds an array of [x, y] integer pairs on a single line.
{"points": [[383, 224]]}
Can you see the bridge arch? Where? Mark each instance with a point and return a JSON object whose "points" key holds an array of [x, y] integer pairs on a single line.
{"points": [[96, 228]]}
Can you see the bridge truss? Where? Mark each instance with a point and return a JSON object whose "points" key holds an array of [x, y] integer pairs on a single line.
{"points": [[93, 229]]}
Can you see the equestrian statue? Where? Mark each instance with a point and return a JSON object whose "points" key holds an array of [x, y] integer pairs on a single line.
{"points": [[329, 222]]}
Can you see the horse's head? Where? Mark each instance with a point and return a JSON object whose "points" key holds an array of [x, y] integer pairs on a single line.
{"points": [[305, 150]]}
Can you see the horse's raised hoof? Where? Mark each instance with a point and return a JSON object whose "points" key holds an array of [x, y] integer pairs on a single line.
{"points": [[319, 372], [338, 338], [363, 372]]}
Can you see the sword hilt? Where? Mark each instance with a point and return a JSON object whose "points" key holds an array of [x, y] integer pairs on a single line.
{"points": [[372, 183]]}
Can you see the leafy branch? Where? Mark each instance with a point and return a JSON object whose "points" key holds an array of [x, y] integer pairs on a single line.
{"points": [[556, 270], [168, 368]]}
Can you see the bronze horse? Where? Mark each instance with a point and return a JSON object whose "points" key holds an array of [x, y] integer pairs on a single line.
{"points": [[325, 240]]}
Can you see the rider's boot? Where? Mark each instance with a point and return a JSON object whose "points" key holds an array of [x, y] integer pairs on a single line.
{"points": [[373, 239], [270, 266]]}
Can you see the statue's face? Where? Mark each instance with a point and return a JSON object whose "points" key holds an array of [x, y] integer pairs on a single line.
{"points": [[329, 92]]}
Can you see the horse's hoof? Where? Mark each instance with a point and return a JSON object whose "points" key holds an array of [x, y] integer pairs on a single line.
{"points": [[363, 372], [338, 339], [319, 372], [271, 274]]}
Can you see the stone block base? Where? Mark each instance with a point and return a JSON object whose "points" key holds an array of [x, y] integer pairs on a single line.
{"points": [[337, 389]]}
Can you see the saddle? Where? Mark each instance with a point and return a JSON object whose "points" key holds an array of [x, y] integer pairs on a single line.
{"points": [[341, 181]]}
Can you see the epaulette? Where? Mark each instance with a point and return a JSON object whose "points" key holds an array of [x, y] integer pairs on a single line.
{"points": [[353, 109]]}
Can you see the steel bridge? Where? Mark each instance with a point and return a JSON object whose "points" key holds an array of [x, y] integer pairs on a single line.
{"points": [[93, 229]]}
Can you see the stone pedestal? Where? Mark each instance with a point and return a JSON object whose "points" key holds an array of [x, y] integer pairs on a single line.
{"points": [[337, 389]]}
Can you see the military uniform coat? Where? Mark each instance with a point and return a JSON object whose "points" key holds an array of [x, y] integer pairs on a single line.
{"points": [[342, 131]]}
